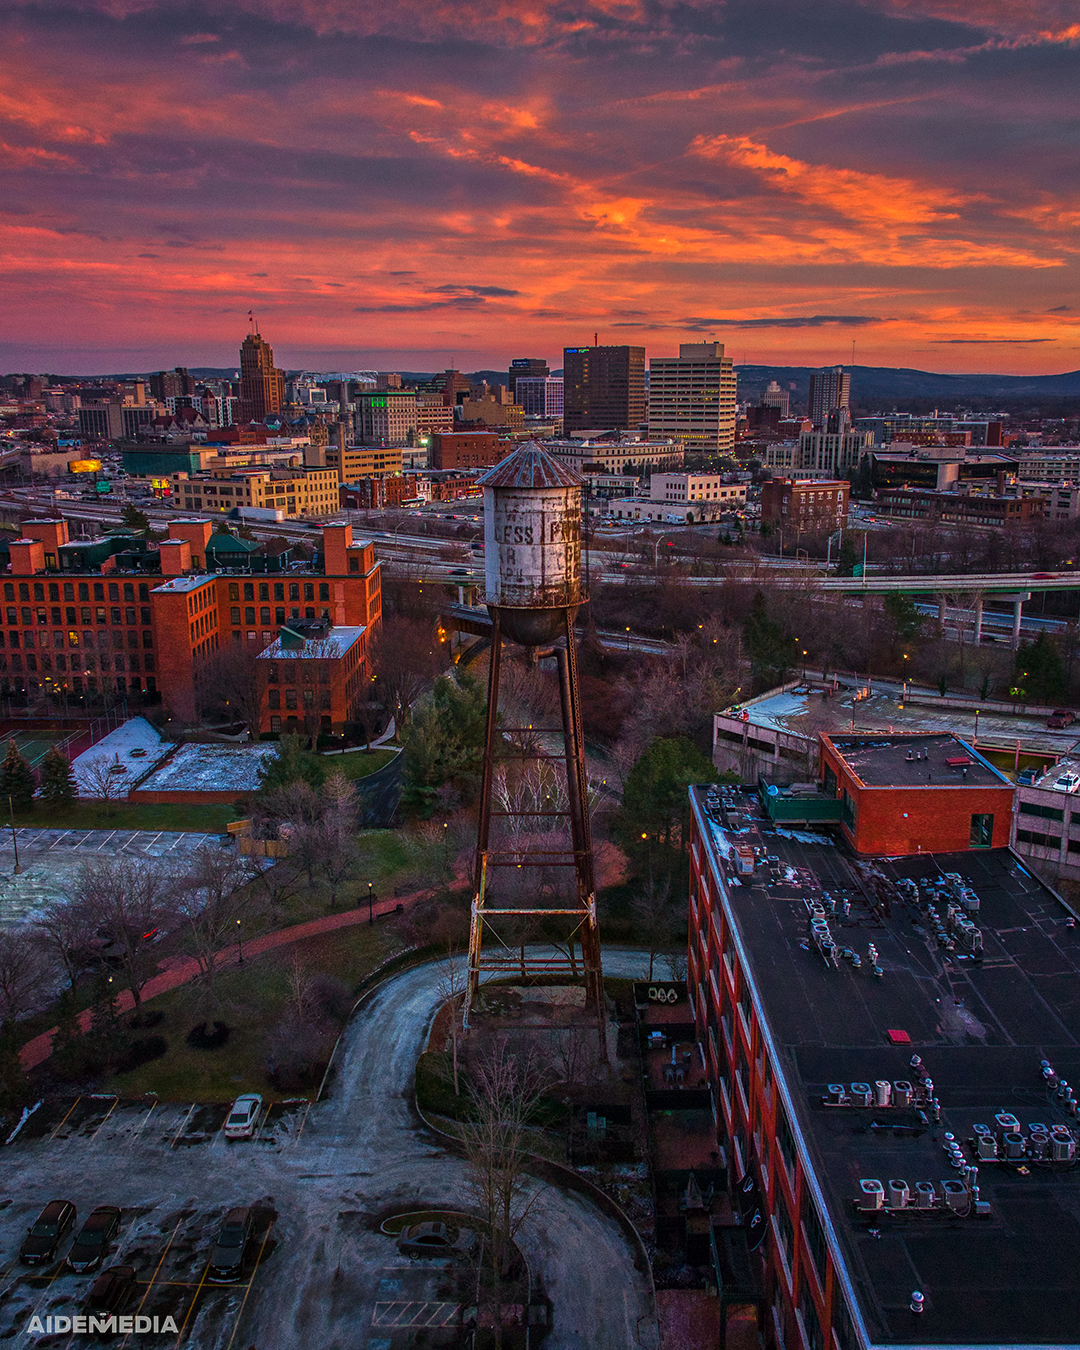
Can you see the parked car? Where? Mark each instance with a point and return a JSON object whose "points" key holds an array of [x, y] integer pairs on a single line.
{"points": [[432, 1238], [1061, 717], [112, 1288], [240, 1122], [47, 1232], [92, 1241], [227, 1258]]}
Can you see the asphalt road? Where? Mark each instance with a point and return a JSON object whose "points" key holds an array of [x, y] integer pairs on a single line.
{"points": [[320, 1178]]}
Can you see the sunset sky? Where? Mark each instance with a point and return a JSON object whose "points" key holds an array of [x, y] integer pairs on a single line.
{"points": [[398, 184]]}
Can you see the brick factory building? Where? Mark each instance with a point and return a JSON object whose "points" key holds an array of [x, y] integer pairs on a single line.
{"points": [[118, 615], [314, 674], [915, 794], [466, 449], [886, 1045], [805, 505]]}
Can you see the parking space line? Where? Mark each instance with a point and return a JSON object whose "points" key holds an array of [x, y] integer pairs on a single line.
{"points": [[243, 1301], [144, 1120], [116, 1103], [106, 840], [55, 1132], [191, 1305], [303, 1122], [265, 1118], [183, 1126], [157, 1269]]}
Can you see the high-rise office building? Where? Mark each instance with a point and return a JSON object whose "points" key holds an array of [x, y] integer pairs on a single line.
{"points": [[534, 366], [262, 385], [830, 389], [172, 384], [692, 397], [775, 397], [603, 388], [540, 395]]}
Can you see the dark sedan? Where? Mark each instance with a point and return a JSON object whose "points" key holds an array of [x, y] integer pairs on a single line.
{"points": [[112, 1288], [47, 1232], [92, 1241], [227, 1258]]}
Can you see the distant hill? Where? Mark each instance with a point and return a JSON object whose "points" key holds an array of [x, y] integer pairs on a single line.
{"points": [[883, 385]]}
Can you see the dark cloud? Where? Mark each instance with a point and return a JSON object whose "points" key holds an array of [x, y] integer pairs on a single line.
{"points": [[986, 342], [1059, 309], [811, 321], [457, 302], [475, 290]]}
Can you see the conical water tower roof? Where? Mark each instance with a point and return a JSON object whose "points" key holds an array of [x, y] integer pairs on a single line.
{"points": [[530, 466]]}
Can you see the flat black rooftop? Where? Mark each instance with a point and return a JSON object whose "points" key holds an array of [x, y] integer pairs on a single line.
{"points": [[916, 760], [981, 1028]]}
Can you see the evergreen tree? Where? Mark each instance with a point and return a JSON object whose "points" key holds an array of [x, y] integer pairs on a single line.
{"points": [[655, 805], [444, 744], [847, 558], [1040, 673], [17, 779], [772, 651], [105, 1034], [68, 1044], [293, 763], [135, 519], [56, 781]]}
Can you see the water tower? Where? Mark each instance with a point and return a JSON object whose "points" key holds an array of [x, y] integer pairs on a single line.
{"points": [[534, 912]]}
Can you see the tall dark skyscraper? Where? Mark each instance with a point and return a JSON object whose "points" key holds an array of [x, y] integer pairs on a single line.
{"points": [[603, 388], [526, 365], [830, 390], [172, 383], [262, 385]]}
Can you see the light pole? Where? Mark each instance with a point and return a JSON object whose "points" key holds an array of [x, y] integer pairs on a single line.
{"points": [[975, 742], [240, 942], [370, 903], [628, 639], [14, 838]]}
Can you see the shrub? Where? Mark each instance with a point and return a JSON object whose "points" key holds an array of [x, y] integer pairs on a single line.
{"points": [[208, 1037]]}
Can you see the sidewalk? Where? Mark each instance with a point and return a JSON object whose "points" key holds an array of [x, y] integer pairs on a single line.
{"points": [[180, 970]]}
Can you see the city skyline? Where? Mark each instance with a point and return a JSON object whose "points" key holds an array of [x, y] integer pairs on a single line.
{"points": [[415, 186]]}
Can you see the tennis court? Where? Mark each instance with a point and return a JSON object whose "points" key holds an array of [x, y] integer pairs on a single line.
{"points": [[33, 745]]}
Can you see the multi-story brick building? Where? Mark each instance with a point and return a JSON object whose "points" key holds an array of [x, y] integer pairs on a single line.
{"points": [[805, 505], [313, 676], [115, 615], [466, 450], [868, 1032], [298, 490], [363, 461]]}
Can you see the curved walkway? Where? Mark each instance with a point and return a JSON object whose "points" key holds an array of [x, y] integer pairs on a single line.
{"points": [[178, 970]]}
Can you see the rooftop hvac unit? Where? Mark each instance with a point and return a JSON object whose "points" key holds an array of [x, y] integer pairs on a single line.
{"points": [[871, 1193], [901, 1092], [882, 1092], [1040, 1144], [899, 1194], [861, 1094], [924, 1195], [1013, 1143], [835, 1094], [1005, 1120], [956, 1195]]}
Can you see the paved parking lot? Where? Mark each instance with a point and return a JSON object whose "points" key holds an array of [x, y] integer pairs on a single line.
{"points": [[319, 1271]]}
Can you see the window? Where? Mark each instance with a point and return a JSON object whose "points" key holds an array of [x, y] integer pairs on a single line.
{"points": [[249, 590], [234, 613], [1047, 812], [274, 698], [815, 1240], [275, 724], [290, 698], [84, 590], [234, 591], [264, 614], [264, 591], [279, 590], [249, 613], [1038, 838], [785, 1141], [982, 831]]}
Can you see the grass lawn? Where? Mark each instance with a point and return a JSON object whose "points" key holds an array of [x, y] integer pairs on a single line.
{"points": [[359, 763], [252, 999], [94, 815]]}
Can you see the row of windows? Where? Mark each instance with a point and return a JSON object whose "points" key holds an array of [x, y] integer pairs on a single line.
{"points": [[1047, 812], [1046, 840], [279, 590], [68, 588], [275, 723], [85, 662], [102, 638], [84, 615], [311, 672], [273, 698], [264, 615]]}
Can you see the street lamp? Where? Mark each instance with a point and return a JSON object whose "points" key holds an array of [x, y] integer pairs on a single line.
{"points": [[628, 639], [370, 903], [240, 942]]}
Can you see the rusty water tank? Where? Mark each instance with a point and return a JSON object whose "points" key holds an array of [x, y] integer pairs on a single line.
{"points": [[532, 543]]}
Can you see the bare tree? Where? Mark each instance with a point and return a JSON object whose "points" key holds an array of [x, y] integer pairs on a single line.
{"points": [[22, 974], [653, 918], [129, 899], [406, 660], [452, 991], [65, 930], [505, 1091], [213, 903], [107, 779], [231, 684]]}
